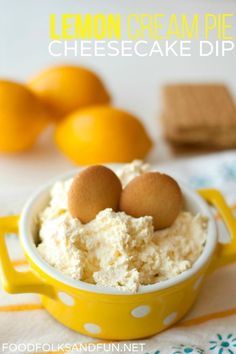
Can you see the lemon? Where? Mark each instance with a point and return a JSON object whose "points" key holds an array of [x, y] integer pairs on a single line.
{"points": [[67, 88], [22, 117], [102, 134]]}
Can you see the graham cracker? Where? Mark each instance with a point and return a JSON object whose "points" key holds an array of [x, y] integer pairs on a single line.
{"points": [[199, 115]]}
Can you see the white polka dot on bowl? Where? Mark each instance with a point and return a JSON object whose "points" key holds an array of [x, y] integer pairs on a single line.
{"points": [[66, 299], [92, 328], [140, 311], [198, 282], [170, 318]]}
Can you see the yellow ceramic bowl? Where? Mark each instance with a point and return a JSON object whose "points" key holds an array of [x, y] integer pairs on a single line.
{"points": [[108, 313]]}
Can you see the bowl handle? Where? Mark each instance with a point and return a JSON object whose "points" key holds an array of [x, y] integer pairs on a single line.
{"points": [[226, 252], [13, 281]]}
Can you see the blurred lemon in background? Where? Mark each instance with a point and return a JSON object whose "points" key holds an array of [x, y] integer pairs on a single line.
{"points": [[66, 88], [22, 117], [102, 134]]}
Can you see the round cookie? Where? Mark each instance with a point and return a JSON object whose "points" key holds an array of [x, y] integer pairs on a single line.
{"points": [[154, 194], [93, 189]]}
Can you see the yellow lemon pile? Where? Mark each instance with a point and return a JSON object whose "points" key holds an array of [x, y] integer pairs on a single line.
{"points": [[22, 117], [87, 129], [102, 134], [64, 89]]}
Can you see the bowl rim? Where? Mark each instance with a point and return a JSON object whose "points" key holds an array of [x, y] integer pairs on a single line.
{"points": [[31, 251]]}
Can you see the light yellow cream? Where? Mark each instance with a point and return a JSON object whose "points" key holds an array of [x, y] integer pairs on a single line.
{"points": [[115, 249]]}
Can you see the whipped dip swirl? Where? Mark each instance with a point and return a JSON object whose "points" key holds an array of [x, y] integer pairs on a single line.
{"points": [[115, 249]]}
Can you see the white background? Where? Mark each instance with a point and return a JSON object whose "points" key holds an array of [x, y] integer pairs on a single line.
{"points": [[133, 81]]}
